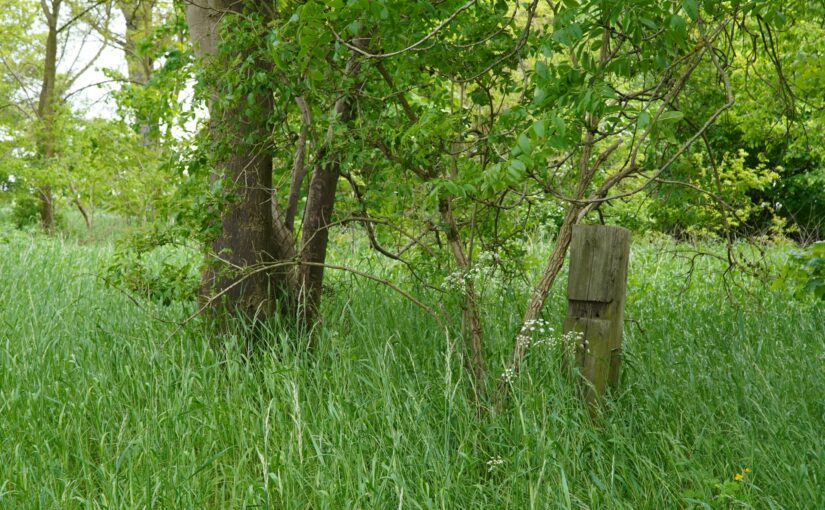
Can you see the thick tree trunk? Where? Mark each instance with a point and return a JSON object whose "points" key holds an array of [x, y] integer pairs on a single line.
{"points": [[320, 203], [246, 240], [45, 110]]}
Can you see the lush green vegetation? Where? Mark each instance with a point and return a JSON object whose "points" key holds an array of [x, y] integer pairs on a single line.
{"points": [[106, 405], [313, 253]]}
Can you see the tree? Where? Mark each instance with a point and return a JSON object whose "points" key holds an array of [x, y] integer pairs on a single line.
{"points": [[241, 158], [46, 108], [50, 102], [603, 121], [19, 51], [454, 130]]}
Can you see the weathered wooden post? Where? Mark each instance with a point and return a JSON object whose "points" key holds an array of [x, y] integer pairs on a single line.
{"points": [[596, 295]]}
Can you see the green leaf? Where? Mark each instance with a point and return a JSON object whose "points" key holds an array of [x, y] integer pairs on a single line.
{"points": [[538, 128], [649, 23], [691, 7], [576, 31], [559, 125], [643, 121], [316, 76], [678, 23], [515, 171], [671, 116], [541, 70], [524, 144]]}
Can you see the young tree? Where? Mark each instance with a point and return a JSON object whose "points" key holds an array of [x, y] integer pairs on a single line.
{"points": [[596, 117], [46, 108], [60, 18]]}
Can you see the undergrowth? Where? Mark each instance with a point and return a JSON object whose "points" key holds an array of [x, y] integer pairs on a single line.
{"points": [[104, 404]]}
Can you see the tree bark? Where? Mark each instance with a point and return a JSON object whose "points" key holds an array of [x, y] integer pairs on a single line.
{"points": [[471, 316], [318, 210], [246, 237], [45, 110], [299, 170], [76, 201]]}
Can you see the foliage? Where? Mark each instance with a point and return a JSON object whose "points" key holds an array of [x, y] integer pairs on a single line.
{"points": [[155, 106], [156, 265], [778, 116], [466, 137], [711, 197], [25, 211], [103, 164], [805, 271], [100, 165]]}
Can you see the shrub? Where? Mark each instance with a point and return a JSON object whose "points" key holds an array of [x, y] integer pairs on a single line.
{"points": [[25, 211], [805, 271], [157, 266]]}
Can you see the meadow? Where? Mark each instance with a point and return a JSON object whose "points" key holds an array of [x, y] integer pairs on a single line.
{"points": [[107, 404]]}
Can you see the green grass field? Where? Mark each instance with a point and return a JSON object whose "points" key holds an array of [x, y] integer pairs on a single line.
{"points": [[103, 405]]}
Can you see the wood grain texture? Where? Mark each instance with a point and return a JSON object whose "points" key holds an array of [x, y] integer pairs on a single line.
{"points": [[596, 290]]}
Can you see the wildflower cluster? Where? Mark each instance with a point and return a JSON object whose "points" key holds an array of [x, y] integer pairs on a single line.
{"points": [[741, 476], [488, 259], [571, 340], [539, 333], [454, 281], [494, 463], [458, 280], [483, 272], [536, 332], [509, 375]]}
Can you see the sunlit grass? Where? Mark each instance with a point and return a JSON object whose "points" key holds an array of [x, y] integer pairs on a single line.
{"points": [[102, 407]]}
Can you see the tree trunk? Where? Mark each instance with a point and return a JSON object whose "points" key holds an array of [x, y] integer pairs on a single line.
{"points": [[318, 210], [76, 201], [246, 238], [320, 202], [45, 111], [46, 208], [138, 17], [86, 218], [471, 316], [299, 170]]}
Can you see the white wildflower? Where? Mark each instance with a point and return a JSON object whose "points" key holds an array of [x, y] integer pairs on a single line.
{"points": [[494, 463]]}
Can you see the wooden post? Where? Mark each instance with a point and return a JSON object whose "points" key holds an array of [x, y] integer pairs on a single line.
{"points": [[596, 295]]}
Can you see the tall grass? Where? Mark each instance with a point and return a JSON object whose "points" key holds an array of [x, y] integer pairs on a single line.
{"points": [[102, 406]]}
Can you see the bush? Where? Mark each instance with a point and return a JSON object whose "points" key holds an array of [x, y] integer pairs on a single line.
{"points": [[805, 271], [25, 211], [156, 266]]}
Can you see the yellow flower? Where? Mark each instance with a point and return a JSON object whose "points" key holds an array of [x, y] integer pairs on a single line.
{"points": [[747, 470], [738, 477]]}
